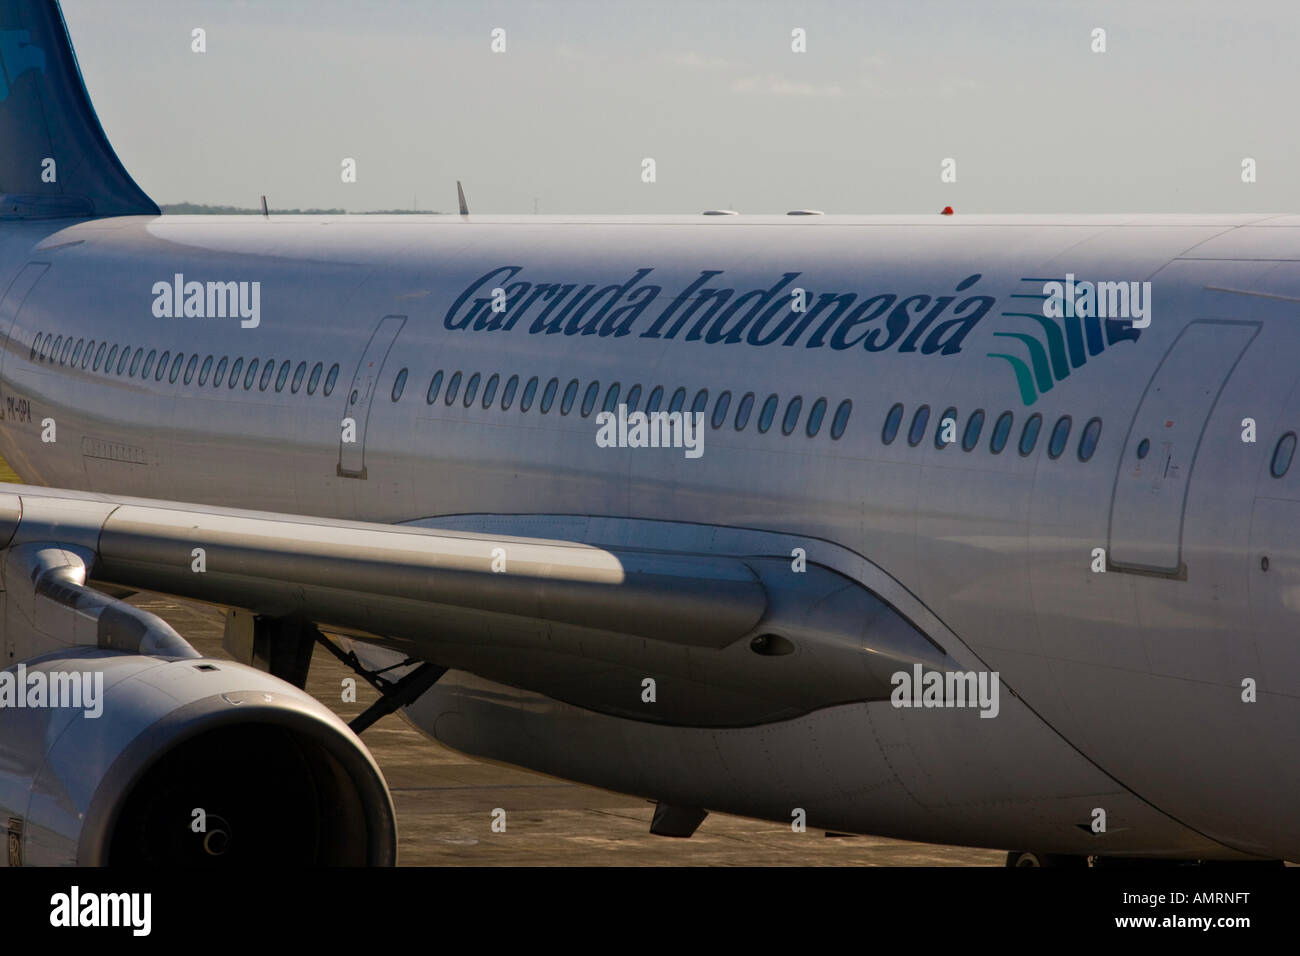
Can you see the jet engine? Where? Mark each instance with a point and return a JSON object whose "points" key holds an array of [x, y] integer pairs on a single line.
{"points": [[127, 759]]}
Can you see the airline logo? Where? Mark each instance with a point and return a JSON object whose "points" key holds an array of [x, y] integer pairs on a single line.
{"points": [[17, 56], [1074, 321], [713, 312]]}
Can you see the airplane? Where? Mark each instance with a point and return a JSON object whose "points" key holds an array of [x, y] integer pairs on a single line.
{"points": [[973, 530]]}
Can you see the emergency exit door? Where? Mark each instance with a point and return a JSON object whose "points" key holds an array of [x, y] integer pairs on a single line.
{"points": [[360, 396], [1155, 470]]}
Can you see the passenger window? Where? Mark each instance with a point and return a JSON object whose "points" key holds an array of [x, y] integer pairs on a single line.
{"points": [[611, 399], [176, 367], [267, 371], [54, 352], [570, 393], [36, 344], [76, 350], [162, 367], [679, 399], [126, 357], [1029, 437], [189, 369], [1088, 440], [219, 375], [767, 413], [589, 399], [633, 398], [453, 387], [791, 415], [205, 371], [701, 401], [236, 367], [720, 409], [919, 421], [298, 374], [1060, 435], [656, 398], [974, 425], [1001, 432], [949, 416], [250, 374], [314, 377], [508, 393], [530, 390], [430, 396], [892, 421], [548, 395], [815, 416], [743, 411], [1282, 455], [99, 355], [67, 347], [135, 361], [87, 355], [490, 390], [399, 385], [330, 379], [148, 364], [841, 419], [282, 376]]}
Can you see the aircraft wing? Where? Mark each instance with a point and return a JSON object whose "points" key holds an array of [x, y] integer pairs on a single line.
{"points": [[742, 637]]}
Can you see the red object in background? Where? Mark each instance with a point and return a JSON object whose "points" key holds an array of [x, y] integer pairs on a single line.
{"points": [[947, 211]]}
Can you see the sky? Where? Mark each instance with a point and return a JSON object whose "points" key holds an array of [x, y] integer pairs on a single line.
{"points": [[713, 92]]}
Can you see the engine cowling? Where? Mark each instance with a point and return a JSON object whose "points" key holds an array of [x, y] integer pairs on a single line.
{"points": [[189, 762]]}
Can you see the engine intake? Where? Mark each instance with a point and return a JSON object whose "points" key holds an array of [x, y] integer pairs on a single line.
{"points": [[190, 763]]}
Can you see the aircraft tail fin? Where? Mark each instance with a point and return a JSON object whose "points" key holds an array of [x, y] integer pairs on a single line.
{"points": [[55, 161]]}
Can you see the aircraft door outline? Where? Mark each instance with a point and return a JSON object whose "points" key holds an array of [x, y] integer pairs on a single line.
{"points": [[1152, 479], [359, 398], [11, 303]]}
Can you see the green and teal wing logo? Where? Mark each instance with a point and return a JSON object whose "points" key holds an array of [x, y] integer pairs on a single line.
{"points": [[17, 56], [1053, 348]]}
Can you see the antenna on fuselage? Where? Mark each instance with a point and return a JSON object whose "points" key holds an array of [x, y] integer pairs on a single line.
{"points": [[460, 194], [265, 214]]}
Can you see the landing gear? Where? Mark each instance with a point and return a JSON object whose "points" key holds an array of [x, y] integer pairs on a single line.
{"points": [[1030, 858], [395, 694], [283, 647]]}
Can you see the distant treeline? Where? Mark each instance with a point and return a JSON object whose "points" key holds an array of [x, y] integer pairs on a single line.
{"points": [[199, 209]]}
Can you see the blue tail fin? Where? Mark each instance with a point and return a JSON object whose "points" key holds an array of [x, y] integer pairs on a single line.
{"points": [[55, 160]]}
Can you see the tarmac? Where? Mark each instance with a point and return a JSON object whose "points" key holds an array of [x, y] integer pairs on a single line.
{"points": [[445, 800]]}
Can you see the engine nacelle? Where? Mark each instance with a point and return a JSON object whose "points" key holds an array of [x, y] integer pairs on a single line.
{"points": [[181, 762]]}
